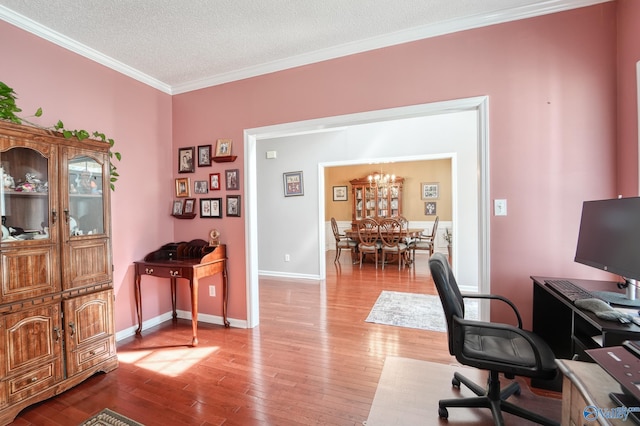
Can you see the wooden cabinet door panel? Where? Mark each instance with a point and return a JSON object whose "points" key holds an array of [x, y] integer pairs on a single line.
{"points": [[29, 272], [89, 330], [87, 261]]}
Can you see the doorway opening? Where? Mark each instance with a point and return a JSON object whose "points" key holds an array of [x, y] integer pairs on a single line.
{"points": [[470, 206]]}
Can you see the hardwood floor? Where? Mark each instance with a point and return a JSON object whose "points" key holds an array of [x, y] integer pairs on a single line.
{"points": [[312, 360]]}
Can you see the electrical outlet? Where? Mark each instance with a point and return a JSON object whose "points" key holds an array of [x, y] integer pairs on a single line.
{"points": [[287, 258], [212, 290]]}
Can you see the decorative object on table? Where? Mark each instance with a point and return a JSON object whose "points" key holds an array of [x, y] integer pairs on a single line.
{"points": [[204, 155], [293, 184], [430, 191], [211, 207], [214, 238], [413, 310], [200, 187], [232, 179], [185, 160], [430, 208], [214, 181], [183, 187], [233, 205], [340, 193]]}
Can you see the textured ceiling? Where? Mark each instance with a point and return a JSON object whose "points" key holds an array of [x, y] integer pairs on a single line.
{"points": [[179, 46]]}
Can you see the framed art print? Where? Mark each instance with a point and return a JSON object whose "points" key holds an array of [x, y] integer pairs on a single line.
{"points": [[204, 155], [223, 147], [185, 160], [339, 193], [293, 184], [189, 206], [200, 187], [429, 191], [430, 208], [177, 208]]}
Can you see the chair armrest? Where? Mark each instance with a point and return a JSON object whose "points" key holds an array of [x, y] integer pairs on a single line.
{"points": [[496, 297], [506, 327]]}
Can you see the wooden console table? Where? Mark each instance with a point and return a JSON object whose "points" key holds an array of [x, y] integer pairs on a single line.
{"points": [[190, 261]]}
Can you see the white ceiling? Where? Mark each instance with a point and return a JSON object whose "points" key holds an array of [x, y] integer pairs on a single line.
{"points": [[178, 46]]}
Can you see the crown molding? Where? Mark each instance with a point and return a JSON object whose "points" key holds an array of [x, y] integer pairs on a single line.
{"points": [[399, 37]]}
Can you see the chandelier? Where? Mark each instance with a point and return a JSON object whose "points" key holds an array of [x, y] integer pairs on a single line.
{"points": [[381, 181]]}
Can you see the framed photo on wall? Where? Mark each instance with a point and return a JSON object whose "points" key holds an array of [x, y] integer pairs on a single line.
{"points": [[182, 187], [233, 205], [293, 184], [232, 179], [200, 187], [185, 160], [430, 208], [189, 205], [430, 191], [204, 155], [340, 193], [223, 147], [214, 181], [177, 208], [211, 207]]}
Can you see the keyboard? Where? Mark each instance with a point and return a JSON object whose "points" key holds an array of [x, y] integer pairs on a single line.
{"points": [[569, 290]]}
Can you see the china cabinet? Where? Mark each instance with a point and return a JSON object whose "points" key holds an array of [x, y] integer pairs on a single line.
{"points": [[370, 200], [56, 291]]}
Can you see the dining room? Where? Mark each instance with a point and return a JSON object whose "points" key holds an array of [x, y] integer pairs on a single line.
{"points": [[417, 192]]}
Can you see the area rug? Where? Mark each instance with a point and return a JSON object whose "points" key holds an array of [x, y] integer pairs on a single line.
{"points": [[108, 417], [422, 311], [409, 390]]}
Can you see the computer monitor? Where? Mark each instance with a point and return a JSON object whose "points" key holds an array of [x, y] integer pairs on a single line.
{"points": [[609, 239]]}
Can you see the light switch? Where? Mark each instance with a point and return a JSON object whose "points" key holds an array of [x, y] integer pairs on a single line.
{"points": [[271, 154], [500, 207]]}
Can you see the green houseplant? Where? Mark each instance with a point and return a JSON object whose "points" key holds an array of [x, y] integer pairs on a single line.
{"points": [[9, 111]]}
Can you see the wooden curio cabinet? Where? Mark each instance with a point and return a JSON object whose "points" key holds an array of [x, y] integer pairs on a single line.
{"points": [[56, 290], [371, 201]]}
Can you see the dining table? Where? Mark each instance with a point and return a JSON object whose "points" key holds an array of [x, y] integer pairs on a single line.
{"points": [[407, 233]]}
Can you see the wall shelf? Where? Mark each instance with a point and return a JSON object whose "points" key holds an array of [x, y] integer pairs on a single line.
{"points": [[225, 159], [184, 216]]}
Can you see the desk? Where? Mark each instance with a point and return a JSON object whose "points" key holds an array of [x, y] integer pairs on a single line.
{"points": [[586, 384], [569, 330], [190, 261]]}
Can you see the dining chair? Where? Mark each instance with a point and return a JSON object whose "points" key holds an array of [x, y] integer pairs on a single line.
{"points": [[425, 242], [369, 239], [342, 241], [392, 241]]}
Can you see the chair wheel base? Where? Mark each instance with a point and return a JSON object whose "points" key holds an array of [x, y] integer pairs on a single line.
{"points": [[443, 413]]}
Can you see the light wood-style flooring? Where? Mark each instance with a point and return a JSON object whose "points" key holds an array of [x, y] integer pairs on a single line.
{"points": [[313, 360]]}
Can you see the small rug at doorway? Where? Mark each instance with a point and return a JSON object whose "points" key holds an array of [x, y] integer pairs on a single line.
{"points": [[422, 311], [108, 417]]}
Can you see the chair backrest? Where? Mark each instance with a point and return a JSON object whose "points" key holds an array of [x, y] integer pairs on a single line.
{"points": [[450, 296], [434, 229], [334, 228], [368, 231], [404, 222], [390, 232]]}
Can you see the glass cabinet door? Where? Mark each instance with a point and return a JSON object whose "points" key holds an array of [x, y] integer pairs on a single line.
{"points": [[85, 214], [24, 195]]}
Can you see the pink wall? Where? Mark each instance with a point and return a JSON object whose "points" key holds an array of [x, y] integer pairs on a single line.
{"points": [[551, 82], [552, 87], [629, 54], [86, 95]]}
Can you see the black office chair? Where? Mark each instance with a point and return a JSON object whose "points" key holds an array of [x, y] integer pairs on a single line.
{"points": [[499, 348]]}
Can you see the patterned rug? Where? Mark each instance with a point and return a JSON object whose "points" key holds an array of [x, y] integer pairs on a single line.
{"points": [[412, 310], [108, 417]]}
